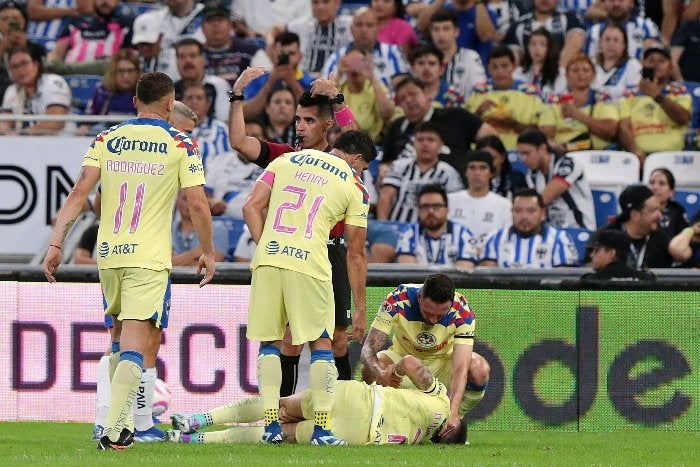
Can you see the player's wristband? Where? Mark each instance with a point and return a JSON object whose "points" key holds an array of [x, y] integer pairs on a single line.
{"points": [[344, 117], [55, 246]]}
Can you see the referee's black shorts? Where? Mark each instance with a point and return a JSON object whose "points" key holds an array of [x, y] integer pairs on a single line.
{"points": [[337, 254]]}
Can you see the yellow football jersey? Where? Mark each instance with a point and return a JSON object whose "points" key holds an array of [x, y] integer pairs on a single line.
{"points": [[400, 314], [142, 162], [311, 192]]}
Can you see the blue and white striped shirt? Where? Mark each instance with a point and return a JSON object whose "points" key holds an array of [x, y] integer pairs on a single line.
{"points": [[388, 61], [46, 32], [549, 248], [212, 139], [638, 30], [457, 243]]}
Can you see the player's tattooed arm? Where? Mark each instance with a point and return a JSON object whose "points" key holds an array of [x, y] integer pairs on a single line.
{"points": [[418, 373], [375, 341]]}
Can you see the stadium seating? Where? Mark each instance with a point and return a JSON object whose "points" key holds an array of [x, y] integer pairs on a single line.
{"points": [[685, 167], [516, 162], [691, 135], [132, 9], [235, 228], [580, 238], [608, 173], [82, 87]]}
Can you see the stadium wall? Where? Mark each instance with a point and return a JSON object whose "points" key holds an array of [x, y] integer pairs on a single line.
{"points": [[562, 358]]}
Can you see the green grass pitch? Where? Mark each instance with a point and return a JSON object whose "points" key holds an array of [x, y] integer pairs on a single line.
{"points": [[69, 444]]}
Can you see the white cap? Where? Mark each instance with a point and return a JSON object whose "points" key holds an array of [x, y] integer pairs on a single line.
{"points": [[146, 28]]}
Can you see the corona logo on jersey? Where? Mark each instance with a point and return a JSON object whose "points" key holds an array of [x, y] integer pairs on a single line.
{"points": [[306, 159], [117, 145]]}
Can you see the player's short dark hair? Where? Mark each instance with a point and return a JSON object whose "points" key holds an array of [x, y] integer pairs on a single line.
{"points": [[407, 81], [439, 288], [428, 127], [151, 87], [501, 51], [422, 51], [357, 142], [432, 188], [286, 38], [456, 436], [189, 41], [529, 193], [445, 14], [323, 103]]}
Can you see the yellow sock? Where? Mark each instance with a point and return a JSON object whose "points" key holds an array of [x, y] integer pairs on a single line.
{"points": [[125, 383], [323, 375], [244, 411], [469, 401], [269, 381], [113, 362]]}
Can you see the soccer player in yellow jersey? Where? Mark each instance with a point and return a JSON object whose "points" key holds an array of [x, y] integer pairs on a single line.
{"points": [[362, 414], [436, 324], [655, 115], [141, 164], [508, 105], [289, 212]]}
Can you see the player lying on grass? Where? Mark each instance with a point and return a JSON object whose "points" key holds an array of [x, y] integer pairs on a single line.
{"points": [[362, 414]]}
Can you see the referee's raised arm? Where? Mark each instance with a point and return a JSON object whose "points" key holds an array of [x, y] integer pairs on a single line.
{"points": [[247, 146]]}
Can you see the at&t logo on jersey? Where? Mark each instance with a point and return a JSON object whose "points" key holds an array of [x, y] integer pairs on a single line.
{"points": [[273, 248], [124, 249]]}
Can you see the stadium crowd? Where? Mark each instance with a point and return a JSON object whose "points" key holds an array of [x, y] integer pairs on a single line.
{"points": [[526, 81]]}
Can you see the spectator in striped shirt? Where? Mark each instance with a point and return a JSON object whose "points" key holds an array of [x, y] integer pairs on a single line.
{"points": [[434, 239], [90, 41], [400, 186], [426, 64], [211, 134], [530, 243], [641, 31], [463, 68]]}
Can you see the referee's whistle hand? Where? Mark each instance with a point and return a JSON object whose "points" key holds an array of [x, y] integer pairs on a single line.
{"points": [[207, 263]]}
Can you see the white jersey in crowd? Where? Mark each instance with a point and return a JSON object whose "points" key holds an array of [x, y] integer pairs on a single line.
{"points": [[317, 43], [465, 70], [481, 215], [50, 90], [457, 243], [406, 177], [46, 32], [174, 29], [245, 247], [261, 15], [549, 248], [212, 138], [616, 80], [638, 30], [574, 208], [388, 61], [229, 178]]}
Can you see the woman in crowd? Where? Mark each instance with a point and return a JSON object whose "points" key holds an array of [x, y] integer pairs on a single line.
{"points": [[278, 117], [506, 179], [115, 95], [581, 118], [540, 64], [663, 184], [33, 92], [615, 70], [392, 27]]}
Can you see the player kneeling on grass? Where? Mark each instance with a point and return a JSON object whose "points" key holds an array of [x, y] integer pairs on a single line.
{"points": [[362, 414], [433, 321]]}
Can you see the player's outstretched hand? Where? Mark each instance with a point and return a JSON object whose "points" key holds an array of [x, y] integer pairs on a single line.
{"points": [[450, 425], [51, 263], [325, 87], [248, 75], [359, 323], [209, 263], [388, 377]]}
